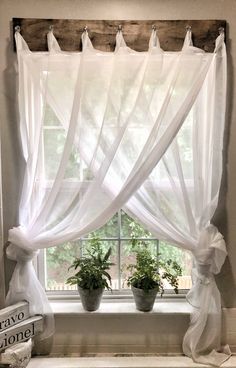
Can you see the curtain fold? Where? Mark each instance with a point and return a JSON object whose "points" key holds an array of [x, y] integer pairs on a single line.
{"points": [[119, 117], [178, 201]]}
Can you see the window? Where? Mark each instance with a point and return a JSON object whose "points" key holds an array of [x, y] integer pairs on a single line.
{"points": [[54, 262], [116, 234]]}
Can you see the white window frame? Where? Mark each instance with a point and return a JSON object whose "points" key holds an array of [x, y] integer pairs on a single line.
{"points": [[121, 293], [116, 294]]}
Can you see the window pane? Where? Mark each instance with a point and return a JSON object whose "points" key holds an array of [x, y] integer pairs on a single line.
{"points": [[50, 118], [58, 260], [184, 139], [183, 258], [130, 226], [109, 230], [128, 257], [114, 270], [54, 140]]}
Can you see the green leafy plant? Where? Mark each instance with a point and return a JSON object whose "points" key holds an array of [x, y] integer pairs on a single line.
{"points": [[93, 267], [149, 271]]}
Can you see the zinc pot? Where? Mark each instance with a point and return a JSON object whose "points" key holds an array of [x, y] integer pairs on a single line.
{"points": [[144, 300], [90, 299]]}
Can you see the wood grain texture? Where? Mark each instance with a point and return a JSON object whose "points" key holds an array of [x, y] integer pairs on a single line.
{"points": [[102, 33]]}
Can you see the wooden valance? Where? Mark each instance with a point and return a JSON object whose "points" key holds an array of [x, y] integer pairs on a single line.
{"points": [[102, 33]]}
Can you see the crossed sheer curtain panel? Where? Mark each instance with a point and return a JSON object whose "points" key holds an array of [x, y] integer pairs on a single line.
{"points": [[123, 117]]}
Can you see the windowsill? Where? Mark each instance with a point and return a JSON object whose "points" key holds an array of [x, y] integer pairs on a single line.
{"points": [[114, 296], [122, 308], [118, 327], [126, 362]]}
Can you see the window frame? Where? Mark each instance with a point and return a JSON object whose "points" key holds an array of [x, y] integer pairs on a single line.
{"points": [[116, 294], [40, 264]]}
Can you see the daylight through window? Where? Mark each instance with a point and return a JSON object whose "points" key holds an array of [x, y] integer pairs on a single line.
{"points": [[54, 262]]}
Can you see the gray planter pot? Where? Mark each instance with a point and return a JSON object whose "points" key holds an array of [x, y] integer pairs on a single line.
{"points": [[144, 300], [90, 299]]}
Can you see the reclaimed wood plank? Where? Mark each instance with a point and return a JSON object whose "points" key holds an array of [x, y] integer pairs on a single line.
{"points": [[13, 315], [102, 32], [21, 332]]}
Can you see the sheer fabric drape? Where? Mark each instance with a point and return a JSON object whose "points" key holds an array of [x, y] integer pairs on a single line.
{"points": [[120, 114], [178, 201]]}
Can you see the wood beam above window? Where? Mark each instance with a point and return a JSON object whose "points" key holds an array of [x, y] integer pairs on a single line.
{"points": [[102, 33]]}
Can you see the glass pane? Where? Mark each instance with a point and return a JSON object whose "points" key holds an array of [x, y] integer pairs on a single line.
{"points": [[114, 270], [58, 260], [54, 140], [128, 257], [50, 118], [109, 230], [73, 166], [130, 227], [183, 258], [184, 138]]}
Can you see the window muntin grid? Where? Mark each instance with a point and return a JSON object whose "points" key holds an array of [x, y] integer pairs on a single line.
{"points": [[57, 260]]}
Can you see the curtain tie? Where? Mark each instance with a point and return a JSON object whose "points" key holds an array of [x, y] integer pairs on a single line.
{"points": [[209, 257], [203, 274], [20, 255], [210, 252], [20, 247]]}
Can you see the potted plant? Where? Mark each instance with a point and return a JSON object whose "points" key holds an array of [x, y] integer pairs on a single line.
{"points": [[148, 275], [92, 277]]}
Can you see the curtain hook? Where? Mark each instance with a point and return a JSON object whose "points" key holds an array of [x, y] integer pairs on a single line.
{"points": [[154, 28], [221, 30], [17, 29], [119, 29], [188, 28]]}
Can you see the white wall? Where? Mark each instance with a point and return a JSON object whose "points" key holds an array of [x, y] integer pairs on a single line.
{"points": [[158, 332], [116, 9], [140, 333]]}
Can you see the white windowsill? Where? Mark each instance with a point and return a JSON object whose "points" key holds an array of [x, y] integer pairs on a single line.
{"points": [[124, 308], [124, 362]]}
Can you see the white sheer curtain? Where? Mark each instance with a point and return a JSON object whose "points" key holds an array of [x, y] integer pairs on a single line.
{"points": [[178, 201], [117, 114]]}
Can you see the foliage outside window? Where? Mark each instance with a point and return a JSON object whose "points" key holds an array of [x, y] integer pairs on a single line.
{"points": [[118, 238]]}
